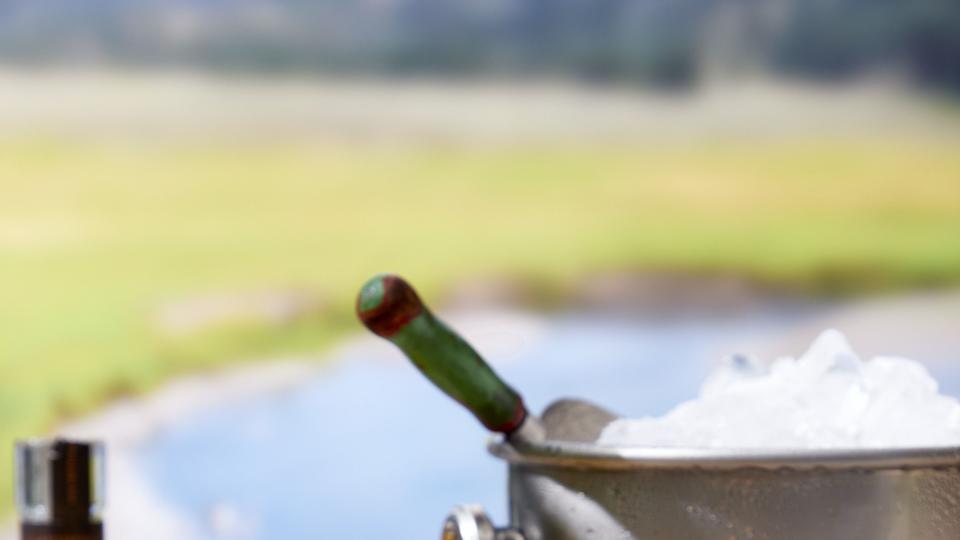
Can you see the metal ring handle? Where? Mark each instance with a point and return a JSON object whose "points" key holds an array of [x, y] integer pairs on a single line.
{"points": [[470, 522]]}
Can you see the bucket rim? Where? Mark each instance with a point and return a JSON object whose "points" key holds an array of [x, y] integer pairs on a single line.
{"points": [[584, 455]]}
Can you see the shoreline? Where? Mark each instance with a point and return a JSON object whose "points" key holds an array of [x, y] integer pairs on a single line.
{"points": [[134, 509]]}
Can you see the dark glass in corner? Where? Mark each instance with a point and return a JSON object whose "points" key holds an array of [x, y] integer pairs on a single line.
{"points": [[60, 489]]}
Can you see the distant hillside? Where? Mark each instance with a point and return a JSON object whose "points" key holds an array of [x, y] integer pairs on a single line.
{"points": [[659, 41]]}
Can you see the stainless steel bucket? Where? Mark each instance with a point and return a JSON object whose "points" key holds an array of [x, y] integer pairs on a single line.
{"points": [[570, 491]]}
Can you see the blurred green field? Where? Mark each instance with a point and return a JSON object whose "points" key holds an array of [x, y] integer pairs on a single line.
{"points": [[95, 236]]}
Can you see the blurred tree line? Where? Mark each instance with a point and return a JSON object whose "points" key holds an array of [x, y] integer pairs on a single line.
{"points": [[663, 42]]}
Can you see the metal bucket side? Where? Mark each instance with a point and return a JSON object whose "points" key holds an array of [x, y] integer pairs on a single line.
{"points": [[563, 491]]}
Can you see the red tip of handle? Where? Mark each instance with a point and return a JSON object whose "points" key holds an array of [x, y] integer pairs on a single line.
{"points": [[519, 415], [387, 303]]}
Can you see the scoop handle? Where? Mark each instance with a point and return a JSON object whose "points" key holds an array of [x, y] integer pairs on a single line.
{"points": [[390, 308]]}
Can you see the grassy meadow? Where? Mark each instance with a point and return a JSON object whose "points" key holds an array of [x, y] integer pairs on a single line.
{"points": [[95, 236]]}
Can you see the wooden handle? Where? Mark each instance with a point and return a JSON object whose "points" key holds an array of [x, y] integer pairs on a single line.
{"points": [[390, 308]]}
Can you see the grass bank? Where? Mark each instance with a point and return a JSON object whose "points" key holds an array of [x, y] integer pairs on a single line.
{"points": [[96, 237]]}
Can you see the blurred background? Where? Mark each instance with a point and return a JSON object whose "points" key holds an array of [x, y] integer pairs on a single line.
{"points": [[607, 196]]}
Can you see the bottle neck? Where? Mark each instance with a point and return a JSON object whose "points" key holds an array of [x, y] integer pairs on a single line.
{"points": [[60, 489]]}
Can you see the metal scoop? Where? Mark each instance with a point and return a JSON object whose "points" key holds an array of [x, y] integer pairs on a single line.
{"points": [[390, 308]]}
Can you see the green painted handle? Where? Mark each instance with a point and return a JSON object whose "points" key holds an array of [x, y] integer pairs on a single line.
{"points": [[390, 308]]}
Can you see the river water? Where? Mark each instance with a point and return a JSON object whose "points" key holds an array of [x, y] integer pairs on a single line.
{"points": [[368, 449]]}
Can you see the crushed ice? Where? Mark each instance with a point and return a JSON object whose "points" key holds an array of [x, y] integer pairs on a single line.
{"points": [[827, 398]]}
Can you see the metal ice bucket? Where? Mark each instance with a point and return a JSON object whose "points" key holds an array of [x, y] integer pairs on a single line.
{"points": [[572, 491]]}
